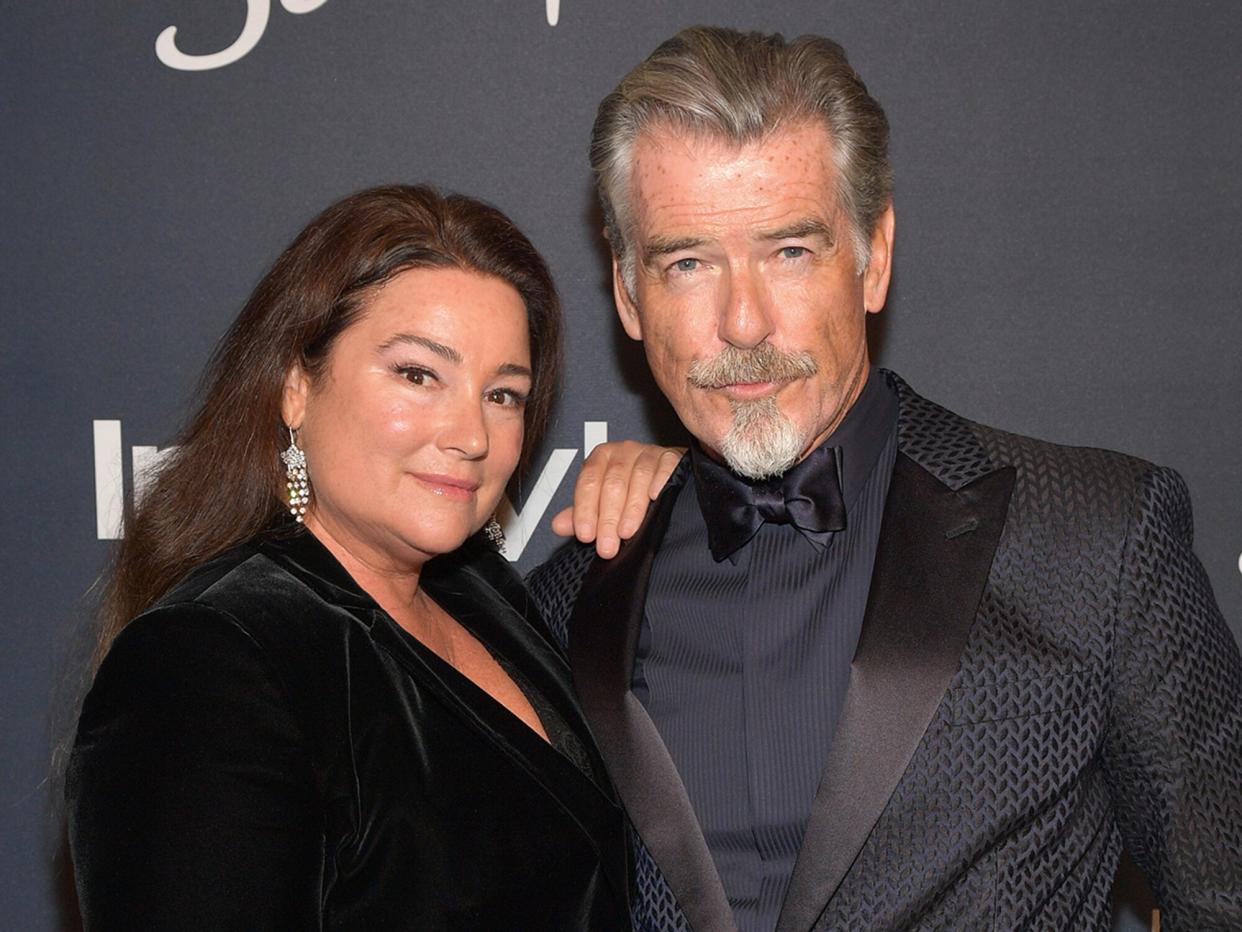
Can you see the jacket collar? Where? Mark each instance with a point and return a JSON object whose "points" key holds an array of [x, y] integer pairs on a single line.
{"points": [[481, 591], [945, 444], [300, 553]]}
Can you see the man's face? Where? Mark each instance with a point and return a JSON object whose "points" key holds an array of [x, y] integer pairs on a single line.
{"points": [[747, 293]]}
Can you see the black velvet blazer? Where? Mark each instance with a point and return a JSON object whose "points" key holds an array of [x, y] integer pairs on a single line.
{"points": [[267, 749]]}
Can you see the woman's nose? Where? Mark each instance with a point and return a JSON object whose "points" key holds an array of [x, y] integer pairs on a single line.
{"points": [[465, 430]]}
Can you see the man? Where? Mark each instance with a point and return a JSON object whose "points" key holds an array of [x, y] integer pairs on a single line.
{"points": [[869, 665]]}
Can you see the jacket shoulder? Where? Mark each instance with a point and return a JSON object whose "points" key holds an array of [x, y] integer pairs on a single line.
{"points": [[1084, 481], [1063, 495], [1032, 456], [243, 607], [959, 450], [261, 597]]}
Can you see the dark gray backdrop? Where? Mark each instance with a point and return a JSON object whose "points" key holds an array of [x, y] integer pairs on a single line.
{"points": [[1067, 204]]}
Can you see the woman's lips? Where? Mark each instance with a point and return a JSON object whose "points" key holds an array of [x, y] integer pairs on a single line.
{"points": [[451, 487]]}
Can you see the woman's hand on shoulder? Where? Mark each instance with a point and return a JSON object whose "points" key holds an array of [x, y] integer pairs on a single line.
{"points": [[617, 483]]}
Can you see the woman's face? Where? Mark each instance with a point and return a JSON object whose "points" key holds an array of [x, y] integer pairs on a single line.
{"points": [[414, 426]]}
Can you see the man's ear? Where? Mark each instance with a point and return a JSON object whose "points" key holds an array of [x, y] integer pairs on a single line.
{"points": [[627, 310], [293, 400], [879, 269]]}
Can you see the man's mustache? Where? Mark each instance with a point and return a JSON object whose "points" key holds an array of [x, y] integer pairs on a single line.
{"points": [[763, 363]]}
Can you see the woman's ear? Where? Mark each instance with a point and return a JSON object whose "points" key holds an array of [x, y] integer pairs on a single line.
{"points": [[293, 401]]}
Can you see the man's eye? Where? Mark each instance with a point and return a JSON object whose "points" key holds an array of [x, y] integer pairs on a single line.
{"points": [[685, 265], [793, 252]]}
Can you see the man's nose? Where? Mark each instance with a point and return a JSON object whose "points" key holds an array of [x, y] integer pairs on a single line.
{"points": [[745, 318]]}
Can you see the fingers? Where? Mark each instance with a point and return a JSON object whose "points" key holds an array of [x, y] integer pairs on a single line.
{"points": [[586, 494], [617, 483], [638, 493], [626, 468], [665, 466], [601, 493], [563, 522]]}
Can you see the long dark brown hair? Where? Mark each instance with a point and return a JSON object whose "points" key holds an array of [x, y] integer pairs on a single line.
{"points": [[223, 484]]}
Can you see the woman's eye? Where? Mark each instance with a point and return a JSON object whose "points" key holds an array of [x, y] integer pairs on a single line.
{"points": [[793, 252], [415, 375], [505, 396]]}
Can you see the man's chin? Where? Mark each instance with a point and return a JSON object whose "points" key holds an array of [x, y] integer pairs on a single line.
{"points": [[764, 452]]}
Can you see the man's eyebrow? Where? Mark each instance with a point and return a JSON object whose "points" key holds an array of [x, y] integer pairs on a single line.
{"points": [[444, 352], [664, 245], [801, 229]]}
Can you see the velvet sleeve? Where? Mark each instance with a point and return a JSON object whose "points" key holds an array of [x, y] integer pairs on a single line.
{"points": [[190, 791]]}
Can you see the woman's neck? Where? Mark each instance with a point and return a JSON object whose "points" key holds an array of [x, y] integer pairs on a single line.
{"points": [[392, 584]]}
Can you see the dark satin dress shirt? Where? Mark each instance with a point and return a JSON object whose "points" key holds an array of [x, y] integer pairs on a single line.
{"points": [[267, 749], [742, 664]]}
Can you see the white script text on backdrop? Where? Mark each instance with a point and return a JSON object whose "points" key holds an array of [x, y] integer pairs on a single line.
{"points": [[258, 12]]}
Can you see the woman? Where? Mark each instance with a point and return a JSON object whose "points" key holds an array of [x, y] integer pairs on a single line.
{"points": [[336, 711]]}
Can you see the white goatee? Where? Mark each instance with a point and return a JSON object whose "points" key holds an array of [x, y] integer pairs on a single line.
{"points": [[762, 442]]}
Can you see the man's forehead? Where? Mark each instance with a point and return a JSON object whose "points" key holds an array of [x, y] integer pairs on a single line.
{"points": [[685, 178], [669, 138]]}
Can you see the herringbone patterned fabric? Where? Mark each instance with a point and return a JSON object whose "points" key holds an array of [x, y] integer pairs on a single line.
{"points": [[1098, 702]]}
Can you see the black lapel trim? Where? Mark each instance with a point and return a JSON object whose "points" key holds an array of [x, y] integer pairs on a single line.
{"points": [[603, 636], [931, 568]]}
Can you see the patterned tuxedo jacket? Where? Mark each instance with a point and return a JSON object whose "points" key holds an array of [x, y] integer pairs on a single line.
{"points": [[1043, 676]]}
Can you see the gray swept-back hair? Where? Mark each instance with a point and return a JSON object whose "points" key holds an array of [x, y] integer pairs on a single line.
{"points": [[741, 87]]}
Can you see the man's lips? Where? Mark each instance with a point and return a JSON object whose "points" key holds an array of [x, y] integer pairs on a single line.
{"points": [[451, 487], [744, 391]]}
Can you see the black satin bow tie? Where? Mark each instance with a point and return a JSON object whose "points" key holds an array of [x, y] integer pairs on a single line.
{"points": [[808, 497]]}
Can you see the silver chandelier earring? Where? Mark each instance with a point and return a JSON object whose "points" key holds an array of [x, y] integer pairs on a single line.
{"points": [[299, 486], [494, 533]]}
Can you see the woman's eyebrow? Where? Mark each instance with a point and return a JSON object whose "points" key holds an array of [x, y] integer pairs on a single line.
{"points": [[444, 352]]}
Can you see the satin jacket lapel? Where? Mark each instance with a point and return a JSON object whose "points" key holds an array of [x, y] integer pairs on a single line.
{"points": [[603, 636], [935, 550]]}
